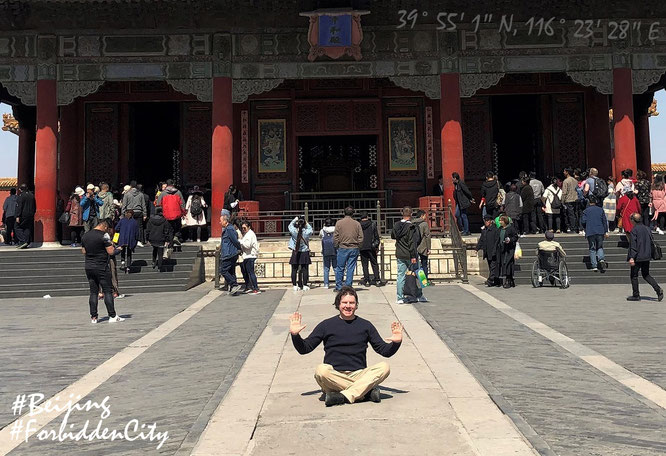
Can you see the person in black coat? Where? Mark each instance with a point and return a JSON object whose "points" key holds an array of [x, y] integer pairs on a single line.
{"points": [[25, 216], [639, 256], [488, 242], [508, 236], [232, 198], [369, 248], [464, 199], [438, 188], [489, 191], [527, 195], [159, 234]]}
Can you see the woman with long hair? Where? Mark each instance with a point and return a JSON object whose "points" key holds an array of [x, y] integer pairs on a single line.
{"points": [[659, 203], [299, 244]]}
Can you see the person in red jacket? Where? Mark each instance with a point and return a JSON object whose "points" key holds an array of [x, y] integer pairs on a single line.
{"points": [[627, 205], [173, 208]]}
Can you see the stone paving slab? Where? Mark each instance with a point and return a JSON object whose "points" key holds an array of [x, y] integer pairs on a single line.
{"points": [[177, 383], [564, 406], [49, 343]]}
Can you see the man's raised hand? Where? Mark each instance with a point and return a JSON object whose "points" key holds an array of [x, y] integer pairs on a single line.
{"points": [[295, 325], [396, 332]]}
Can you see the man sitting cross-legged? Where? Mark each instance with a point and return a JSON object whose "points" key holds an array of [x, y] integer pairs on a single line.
{"points": [[344, 376]]}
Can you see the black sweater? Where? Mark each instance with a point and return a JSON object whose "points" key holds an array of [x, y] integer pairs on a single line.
{"points": [[345, 342]]}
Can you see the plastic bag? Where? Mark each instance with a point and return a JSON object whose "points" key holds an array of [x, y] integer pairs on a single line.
{"points": [[518, 254]]}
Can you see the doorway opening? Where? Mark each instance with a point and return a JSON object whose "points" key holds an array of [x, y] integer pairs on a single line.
{"points": [[154, 143], [337, 163], [516, 127]]}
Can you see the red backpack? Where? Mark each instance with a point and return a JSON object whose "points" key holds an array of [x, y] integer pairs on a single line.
{"points": [[171, 206]]}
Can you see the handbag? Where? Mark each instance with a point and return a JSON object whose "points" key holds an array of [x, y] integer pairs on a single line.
{"points": [[167, 253], [518, 253], [64, 218], [410, 289], [656, 251]]}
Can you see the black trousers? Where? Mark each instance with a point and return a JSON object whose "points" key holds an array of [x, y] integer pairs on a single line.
{"points": [[493, 270], [556, 218], [158, 256], [371, 257], [23, 230], [538, 216], [644, 267], [126, 256], [647, 218], [138, 216], [570, 216], [300, 274], [176, 226], [529, 227], [100, 278], [11, 235]]}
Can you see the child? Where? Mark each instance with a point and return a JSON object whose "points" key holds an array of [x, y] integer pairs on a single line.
{"points": [[128, 235], [328, 250], [158, 233]]}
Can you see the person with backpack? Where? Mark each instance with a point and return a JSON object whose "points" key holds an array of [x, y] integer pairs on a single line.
{"points": [[300, 261], [158, 233], [195, 218], [425, 243], [639, 256], [627, 205], [406, 236], [368, 250], [596, 228], [173, 208], [134, 201], [610, 205], [328, 250], [552, 198]]}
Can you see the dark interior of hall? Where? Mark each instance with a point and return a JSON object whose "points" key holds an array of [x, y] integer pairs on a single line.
{"points": [[154, 136]]}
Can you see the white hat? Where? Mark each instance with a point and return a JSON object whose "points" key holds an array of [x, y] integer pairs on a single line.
{"points": [[79, 191], [96, 188], [126, 189], [90, 187]]}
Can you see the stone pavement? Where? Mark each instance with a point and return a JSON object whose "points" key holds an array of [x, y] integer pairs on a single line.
{"points": [[560, 402], [273, 407]]}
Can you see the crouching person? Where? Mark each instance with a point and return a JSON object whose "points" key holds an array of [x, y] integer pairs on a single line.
{"points": [[344, 376]]}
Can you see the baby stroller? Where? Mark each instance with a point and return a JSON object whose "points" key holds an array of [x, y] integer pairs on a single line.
{"points": [[550, 266]]}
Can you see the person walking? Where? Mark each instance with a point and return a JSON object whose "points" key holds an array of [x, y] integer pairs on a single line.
{"points": [[423, 249], [596, 228], [627, 205], [195, 217], [299, 244], [406, 237], [368, 250], [106, 210], [513, 205], [158, 234], [229, 252], [489, 195], [90, 203], [643, 190], [97, 246], [659, 204], [347, 237], [75, 215], [506, 249], [250, 251], [328, 250], [173, 208], [9, 216], [128, 235], [569, 198], [610, 205], [232, 199], [463, 199], [626, 183], [489, 243], [25, 216], [552, 197], [639, 256], [527, 212], [537, 189]]}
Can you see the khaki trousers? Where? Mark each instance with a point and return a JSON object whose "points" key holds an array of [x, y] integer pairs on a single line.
{"points": [[352, 384]]}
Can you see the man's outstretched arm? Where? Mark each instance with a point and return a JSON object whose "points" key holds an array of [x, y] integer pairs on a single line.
{"points": [[383, 348], [304, 346]]}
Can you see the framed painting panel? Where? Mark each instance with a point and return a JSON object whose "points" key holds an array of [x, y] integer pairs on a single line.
{"points": [[272, 145], [402, 144]]}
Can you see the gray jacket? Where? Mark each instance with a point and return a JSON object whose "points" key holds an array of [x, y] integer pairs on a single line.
{"points": [[424, 231], [133, 200], [9, 206], [106, 209]]}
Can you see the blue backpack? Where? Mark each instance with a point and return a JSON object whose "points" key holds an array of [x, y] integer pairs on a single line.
{"points": [[327, 246]]}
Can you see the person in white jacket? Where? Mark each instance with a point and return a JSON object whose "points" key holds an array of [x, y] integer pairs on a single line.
{"points": [[250, 250]]}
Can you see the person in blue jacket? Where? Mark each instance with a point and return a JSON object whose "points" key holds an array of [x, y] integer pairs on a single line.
{"points": [[596, 228], [90, 205], [229, 250], [128, 230]]}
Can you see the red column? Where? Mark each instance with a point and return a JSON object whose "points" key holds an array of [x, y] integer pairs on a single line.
{"points": [[451, 131], [46, 156], [222, 159], [623, 116]]}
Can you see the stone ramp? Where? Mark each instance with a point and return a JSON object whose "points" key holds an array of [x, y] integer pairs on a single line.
{"points": [[273, 407]]}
